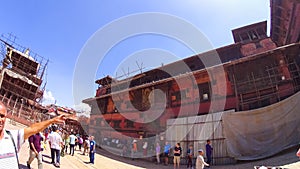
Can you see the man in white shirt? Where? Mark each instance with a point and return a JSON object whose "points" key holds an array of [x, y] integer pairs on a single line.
{"points": [[72, 143], [11, 141], [200, 163], [55, 142]]}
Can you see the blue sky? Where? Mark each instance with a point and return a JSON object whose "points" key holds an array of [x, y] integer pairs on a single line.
{"points": [[59, 30]]}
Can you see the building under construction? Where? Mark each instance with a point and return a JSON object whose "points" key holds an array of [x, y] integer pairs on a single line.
{"points": [[253, 91], [21, 82], [22, 87]]}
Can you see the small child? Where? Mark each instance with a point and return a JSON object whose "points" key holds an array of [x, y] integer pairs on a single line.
{"points": [[200, 163]]}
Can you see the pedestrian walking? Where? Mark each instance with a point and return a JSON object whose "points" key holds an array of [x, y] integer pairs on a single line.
{"points": [[157, 150], [167, 149], [11, 141], [80, 142], [43, 144], [56, 143], [35, 150], [86, 144], [145, 148], [67, 142], [72, 143], [51, 154], [200, 163], [189, 155], [92, 149], [76, 141], [177, 154], [209, 150], [134, 149], [124, 150]]}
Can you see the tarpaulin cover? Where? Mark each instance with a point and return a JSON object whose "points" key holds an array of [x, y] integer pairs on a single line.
{"points": [[263, 132]]}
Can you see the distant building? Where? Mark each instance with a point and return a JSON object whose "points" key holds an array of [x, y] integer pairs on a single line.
{"points": [[72, 124]]}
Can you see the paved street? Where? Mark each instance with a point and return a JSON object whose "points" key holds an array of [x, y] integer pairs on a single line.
{"points": [[105, 160]]}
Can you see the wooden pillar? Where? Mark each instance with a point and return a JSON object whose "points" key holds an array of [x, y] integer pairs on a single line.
{"points": [[21, 107], [9, 101], [4, 96]]}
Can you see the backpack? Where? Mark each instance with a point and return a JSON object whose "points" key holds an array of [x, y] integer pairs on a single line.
{"points": [[80, 140]]}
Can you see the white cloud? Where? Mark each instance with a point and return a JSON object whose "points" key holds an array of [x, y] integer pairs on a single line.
{"points": [[48, 98], [83, 109]]}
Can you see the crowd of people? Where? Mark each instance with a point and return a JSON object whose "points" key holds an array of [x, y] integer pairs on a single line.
{"points": [[165, 151], [61, 143], [178, 152], [41, 136]]}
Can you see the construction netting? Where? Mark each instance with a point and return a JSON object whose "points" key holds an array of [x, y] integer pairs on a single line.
{"points": [[244, 135], [263, 132]]}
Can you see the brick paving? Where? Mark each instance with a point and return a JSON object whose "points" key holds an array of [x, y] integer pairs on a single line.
{"points": [[106, 160]]}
